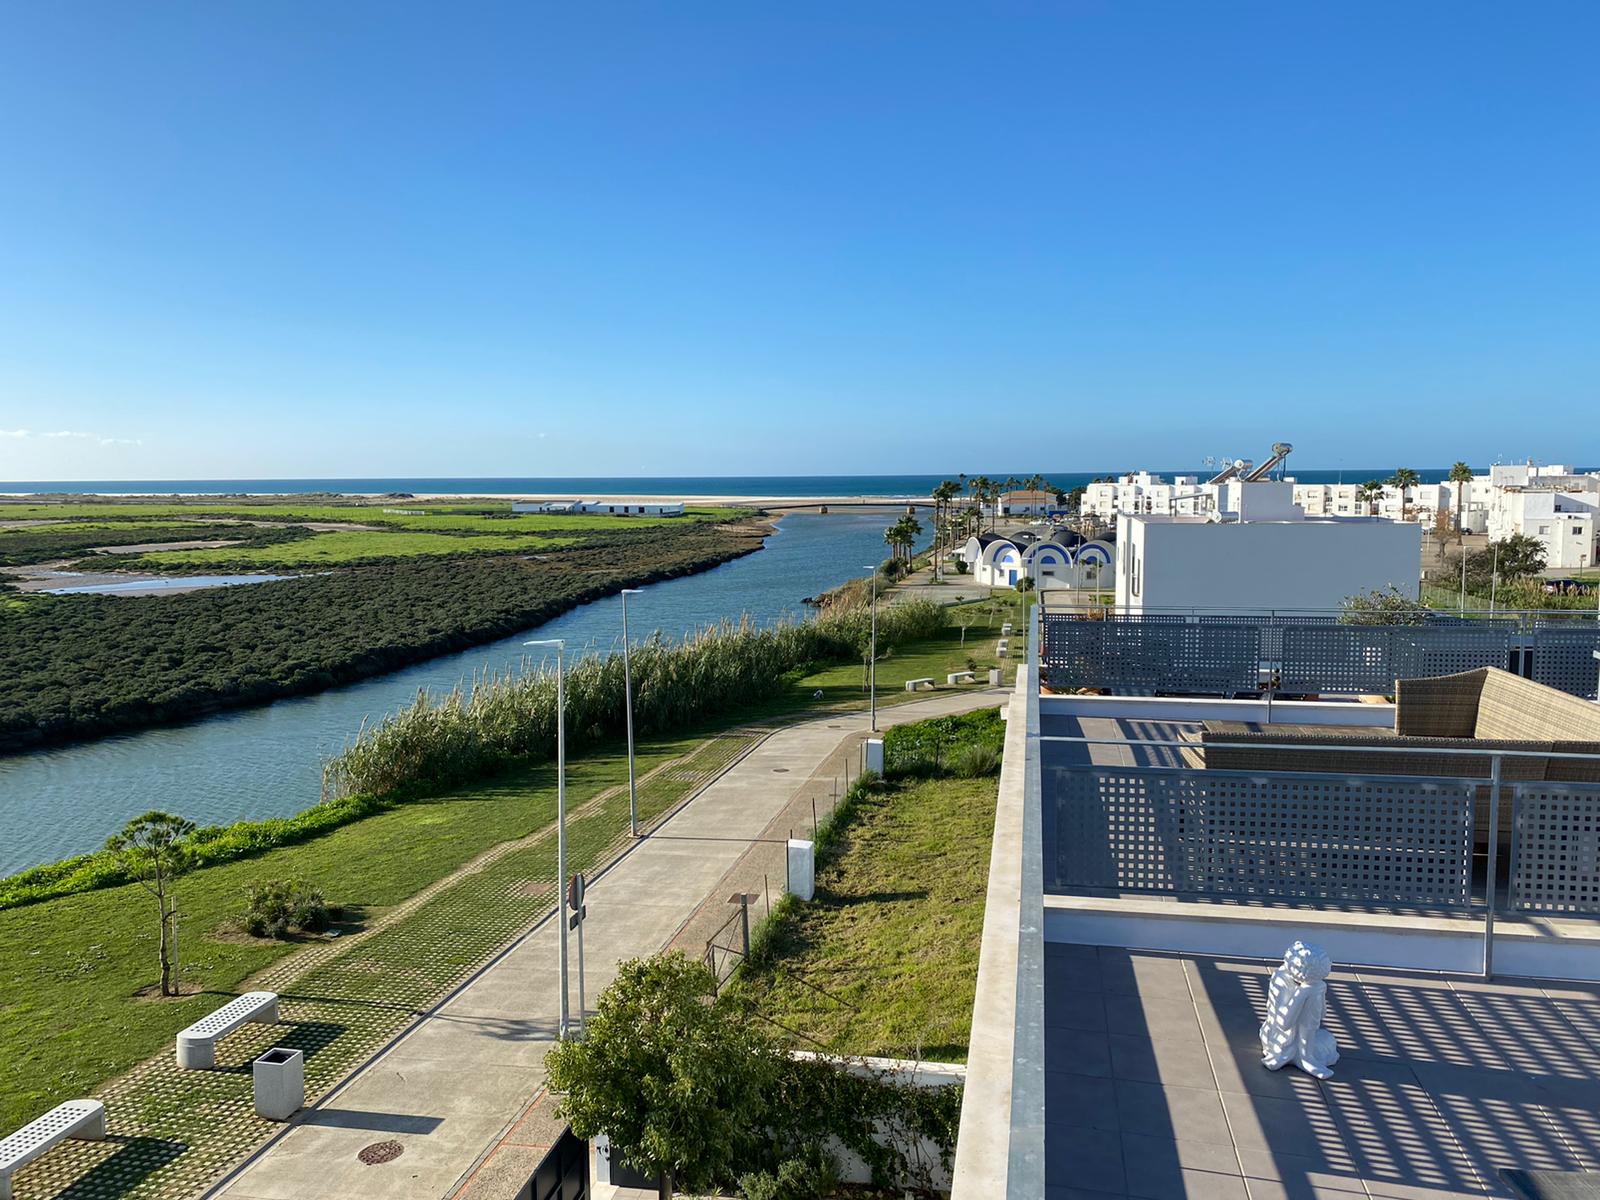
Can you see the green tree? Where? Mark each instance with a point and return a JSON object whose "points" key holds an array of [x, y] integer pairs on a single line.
{"points": [[942, 497], [1459, 474], [673, 1078], [1383, 606], [1516, 557], [1405, 479], [155, 851]]}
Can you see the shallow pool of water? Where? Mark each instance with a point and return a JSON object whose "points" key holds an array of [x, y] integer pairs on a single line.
{"points": [[144, 584]]}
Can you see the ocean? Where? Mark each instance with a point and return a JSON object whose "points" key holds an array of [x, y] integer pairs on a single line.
{"points": [[662, 485]]}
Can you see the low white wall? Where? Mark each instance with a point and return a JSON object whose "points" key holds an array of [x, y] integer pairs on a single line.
{"points": [[1162, 708], [902, 1071], [1364, 939]]}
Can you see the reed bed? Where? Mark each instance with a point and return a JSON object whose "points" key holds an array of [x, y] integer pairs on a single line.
{"points": [[504, 719]]}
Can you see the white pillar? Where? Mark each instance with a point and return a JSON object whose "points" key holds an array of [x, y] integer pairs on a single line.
{"points": [[802, 868]]}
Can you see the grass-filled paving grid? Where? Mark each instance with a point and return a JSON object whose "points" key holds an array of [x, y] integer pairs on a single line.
{"points": [[172, 1132]]}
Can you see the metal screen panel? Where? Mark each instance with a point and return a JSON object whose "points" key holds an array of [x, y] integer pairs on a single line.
{"points": [[1563, 657], [1314, 838], [1448, 649], [1339, 658], [1555, 865], [1139, 658]]}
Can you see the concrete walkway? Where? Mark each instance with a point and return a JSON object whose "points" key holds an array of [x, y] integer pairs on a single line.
{"points": [[454, 1089]]}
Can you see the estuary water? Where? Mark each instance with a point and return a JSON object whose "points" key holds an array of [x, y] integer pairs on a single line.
{"points": [[266, 762]]}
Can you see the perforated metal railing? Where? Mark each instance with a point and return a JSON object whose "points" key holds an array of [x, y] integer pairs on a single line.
{"points": [[1231, 653], [1308, 838], [1397, 841]]}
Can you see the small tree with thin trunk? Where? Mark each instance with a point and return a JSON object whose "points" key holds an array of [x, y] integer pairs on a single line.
{"points": [[155, 851], [1460, 474], [673, 1078]]}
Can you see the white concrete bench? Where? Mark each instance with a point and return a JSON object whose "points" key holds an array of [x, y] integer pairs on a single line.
{"points": [[1003, 650], [84, 1119], [913, 684], [197, 1045], [1005, 630], [961, 677]]}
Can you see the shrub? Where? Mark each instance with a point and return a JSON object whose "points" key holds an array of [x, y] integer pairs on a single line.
{"points": [[933, 747], [275, 906], [811, 1175], [975, 761], [507, 719]]}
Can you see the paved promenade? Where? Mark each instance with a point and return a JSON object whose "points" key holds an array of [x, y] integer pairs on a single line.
{"points": [[454, 1090]]}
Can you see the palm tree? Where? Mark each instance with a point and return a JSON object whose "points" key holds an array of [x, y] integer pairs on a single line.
{"points": [[1459, 474], [942, 496], [1405, 479], [1369, 493]]}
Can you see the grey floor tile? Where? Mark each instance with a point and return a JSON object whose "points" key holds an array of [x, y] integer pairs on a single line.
{"points": [[1498, 1118], [1177, 1062], [1236, 1064], [1078, 1051], [1300, 1189], [1083, 1158], [1152, 1016], [1393, 1132], [1185, 1114], [1081, 1100], [1074, 1010], [1071, 1193], [1129, 972], [1157, 1166], [1295, 1171], [1301, 1127]]}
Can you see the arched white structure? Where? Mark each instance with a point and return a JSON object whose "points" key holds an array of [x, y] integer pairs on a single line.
{"points": [[995, 561], [1049, 564]]}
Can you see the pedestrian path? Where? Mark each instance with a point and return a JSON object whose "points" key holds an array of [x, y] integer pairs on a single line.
{"points": [[451, 1092]]}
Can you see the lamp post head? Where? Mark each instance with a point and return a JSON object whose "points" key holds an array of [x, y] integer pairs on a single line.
{"points": [[558, 643], [633, 591]]}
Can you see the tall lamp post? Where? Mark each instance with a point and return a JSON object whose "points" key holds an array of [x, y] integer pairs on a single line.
{"points": [[872, 654], [627, 695], [561, 810]]}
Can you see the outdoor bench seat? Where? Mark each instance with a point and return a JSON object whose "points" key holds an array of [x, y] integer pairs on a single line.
{"points": [[197, 1045], [913, 684], [83, 1119], [961, 677], [1003, 650]]}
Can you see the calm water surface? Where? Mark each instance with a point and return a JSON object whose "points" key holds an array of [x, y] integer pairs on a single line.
{"points": [[268, 761]]}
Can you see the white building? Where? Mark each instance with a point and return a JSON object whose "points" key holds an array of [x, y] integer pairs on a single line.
{"points": [[996, 561], [1562, 521], [1261, 551], [616, 508]]}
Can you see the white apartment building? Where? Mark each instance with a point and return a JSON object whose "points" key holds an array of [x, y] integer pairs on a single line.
{"points": [[1556, 504]]}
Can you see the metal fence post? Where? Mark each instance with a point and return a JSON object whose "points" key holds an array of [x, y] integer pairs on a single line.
{"points": [[744, 921], [1493, 867]]}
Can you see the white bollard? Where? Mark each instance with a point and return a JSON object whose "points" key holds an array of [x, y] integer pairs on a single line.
{"points": [[802, 868], [872, 755]]}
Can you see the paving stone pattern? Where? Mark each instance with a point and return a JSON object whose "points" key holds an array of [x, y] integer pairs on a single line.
{"points": [[1155, 1089], [172, 1133]]}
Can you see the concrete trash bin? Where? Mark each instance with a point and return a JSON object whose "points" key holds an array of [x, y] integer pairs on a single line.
{"points": [[994, 676], [280, 1083]]}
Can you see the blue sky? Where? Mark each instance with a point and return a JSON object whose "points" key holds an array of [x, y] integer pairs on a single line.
{"points": [[293, 238]]}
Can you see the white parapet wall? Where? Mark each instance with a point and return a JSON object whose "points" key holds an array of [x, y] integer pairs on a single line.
{"points": [[1259, 712]]}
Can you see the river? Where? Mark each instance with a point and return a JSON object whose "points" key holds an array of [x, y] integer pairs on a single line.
{"points": [[266, 762]]}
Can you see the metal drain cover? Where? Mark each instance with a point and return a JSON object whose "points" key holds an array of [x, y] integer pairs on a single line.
{"points": [[380, 1152], [780, 770]]}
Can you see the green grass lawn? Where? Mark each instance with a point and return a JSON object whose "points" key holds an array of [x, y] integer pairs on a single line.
{"points": [[884, 961], [70, 968]]}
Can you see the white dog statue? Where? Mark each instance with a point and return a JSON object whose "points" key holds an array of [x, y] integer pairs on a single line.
{"points": [[1296, 1002]]}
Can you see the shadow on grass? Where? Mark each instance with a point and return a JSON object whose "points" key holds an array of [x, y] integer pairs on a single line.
{"points": [[134, 1160], [309, 1037]]}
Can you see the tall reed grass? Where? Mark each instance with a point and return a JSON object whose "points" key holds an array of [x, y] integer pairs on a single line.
{"points": [[505, 719]]}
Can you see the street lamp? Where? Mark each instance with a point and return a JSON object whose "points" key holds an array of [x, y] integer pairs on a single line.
{"points": [[872, 656], [627, 694], [561, 808]]}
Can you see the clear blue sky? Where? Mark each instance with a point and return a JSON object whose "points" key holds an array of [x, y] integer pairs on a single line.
{"points": [[291, 238]]}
